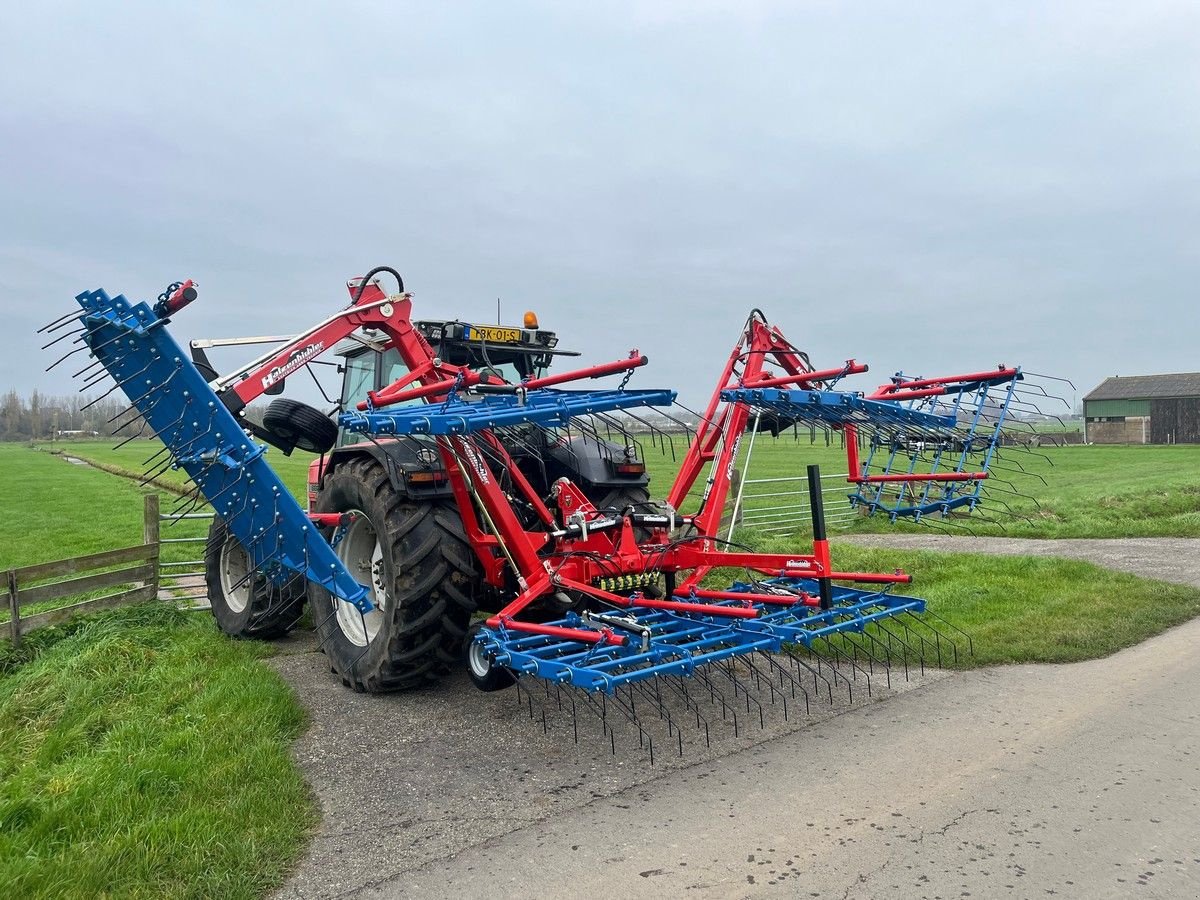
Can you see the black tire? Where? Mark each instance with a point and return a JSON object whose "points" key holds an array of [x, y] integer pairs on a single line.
{"points": [[418, 555], [301, 425], [253, 607], [485, 674], [617, 500]]}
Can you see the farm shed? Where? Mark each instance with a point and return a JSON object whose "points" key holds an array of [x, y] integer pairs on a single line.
{"points": [[1144, 409]]}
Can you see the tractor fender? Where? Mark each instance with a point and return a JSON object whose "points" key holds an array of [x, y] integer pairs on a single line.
{"points": [[590, 461], [399, 459]]}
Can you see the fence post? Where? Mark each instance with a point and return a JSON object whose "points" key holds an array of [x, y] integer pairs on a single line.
{"points": [[14, 609], [150, 526]]}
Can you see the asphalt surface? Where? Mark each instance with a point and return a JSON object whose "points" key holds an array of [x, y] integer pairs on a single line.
{"points": [[1022, 781]]}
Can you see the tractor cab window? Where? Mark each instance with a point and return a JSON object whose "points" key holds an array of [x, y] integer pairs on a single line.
{"points": [[359, 378]]}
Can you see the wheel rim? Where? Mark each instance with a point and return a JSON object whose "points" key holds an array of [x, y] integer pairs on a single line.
{"points": [[362, 555], [235, 567], [478, 661]]}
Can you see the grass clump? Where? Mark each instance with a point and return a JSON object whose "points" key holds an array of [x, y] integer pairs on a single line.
{"points": [[142, 754]]}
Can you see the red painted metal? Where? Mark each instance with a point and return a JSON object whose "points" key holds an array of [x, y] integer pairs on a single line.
{"points": [[634, 361], [804, 599], [603, 636]]}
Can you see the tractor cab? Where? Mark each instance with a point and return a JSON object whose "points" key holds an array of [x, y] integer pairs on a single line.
{"points": [[602, 468]]}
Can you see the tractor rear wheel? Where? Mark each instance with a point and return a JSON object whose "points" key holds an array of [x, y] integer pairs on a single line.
{"points": [[422, 575], [246, 604], [616, 500]]}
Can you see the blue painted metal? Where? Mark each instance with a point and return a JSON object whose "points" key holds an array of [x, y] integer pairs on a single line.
{"points": [[980, 410], [545, 407], [205, 440], [962, 428], [680, 642], [839, 408]]}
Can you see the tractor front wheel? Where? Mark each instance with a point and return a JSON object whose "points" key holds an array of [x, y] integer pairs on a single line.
{"points": [[422, 578], [245, 603]]}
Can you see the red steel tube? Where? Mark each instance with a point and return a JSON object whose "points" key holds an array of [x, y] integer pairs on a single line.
{"points": [[774, 599], [918, 476], [621, 365], [851, 368], [871, 577], [918, 383], [568, 634], [708, 609]]}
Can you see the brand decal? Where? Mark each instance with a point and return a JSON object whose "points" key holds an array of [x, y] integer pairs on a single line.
{"points": [[299, 357]]}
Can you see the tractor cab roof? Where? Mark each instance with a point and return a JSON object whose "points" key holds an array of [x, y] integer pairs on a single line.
{"points": [[463, 343]]}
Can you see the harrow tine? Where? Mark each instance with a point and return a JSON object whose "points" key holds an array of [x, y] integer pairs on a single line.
{"points": [[785, 674], [60, 322]]}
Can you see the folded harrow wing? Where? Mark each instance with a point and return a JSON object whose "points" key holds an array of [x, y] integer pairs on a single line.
{"points": [[611, 602]]}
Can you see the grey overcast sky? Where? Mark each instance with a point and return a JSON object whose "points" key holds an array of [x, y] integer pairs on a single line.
{"points": [[926, 186]]}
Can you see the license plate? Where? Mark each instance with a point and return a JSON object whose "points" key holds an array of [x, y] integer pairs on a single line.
{"points": [[494, 335]]}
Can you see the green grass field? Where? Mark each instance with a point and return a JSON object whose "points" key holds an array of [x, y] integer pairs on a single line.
{"points": [[1096, 491], [142, 753], [1088, 491]]}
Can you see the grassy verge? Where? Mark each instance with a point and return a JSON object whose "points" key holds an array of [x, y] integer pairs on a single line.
{"points": [[130, 460], [1023, 609], [142, 754]]}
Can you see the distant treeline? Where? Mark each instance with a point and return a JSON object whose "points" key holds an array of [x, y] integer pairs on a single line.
{"points": [[44, 417]]}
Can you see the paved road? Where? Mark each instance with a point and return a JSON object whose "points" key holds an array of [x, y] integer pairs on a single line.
{"points": [[1023, 781]]}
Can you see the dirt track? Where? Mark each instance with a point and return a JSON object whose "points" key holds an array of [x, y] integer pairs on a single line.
{"points": [[1082, 780]]}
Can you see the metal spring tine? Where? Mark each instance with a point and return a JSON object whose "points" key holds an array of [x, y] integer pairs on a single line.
{"points": [[716, 696], [645, 739], [601, 711], [855, 669], [663, 713], [886, 650], [121, 384], [816, 673], [155, 471], [726, 668], [871, 658], [784, 673], [95, 348], [133, 437], [93, 402], [938, 637], [67, 356], [951, 625], [679, 686], [60, 322], [924, 642], [128, 409], [759, 678], [64, 336]]}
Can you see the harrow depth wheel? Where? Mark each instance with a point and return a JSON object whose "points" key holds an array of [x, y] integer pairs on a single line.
{"points": [[245, 603], [485, 674], [422, 575]]}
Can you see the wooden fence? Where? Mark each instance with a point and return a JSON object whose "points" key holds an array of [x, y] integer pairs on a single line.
{"points": [[138, 566]]}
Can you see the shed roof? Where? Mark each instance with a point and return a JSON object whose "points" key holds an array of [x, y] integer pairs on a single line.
{"points": [[1147, 387]]}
